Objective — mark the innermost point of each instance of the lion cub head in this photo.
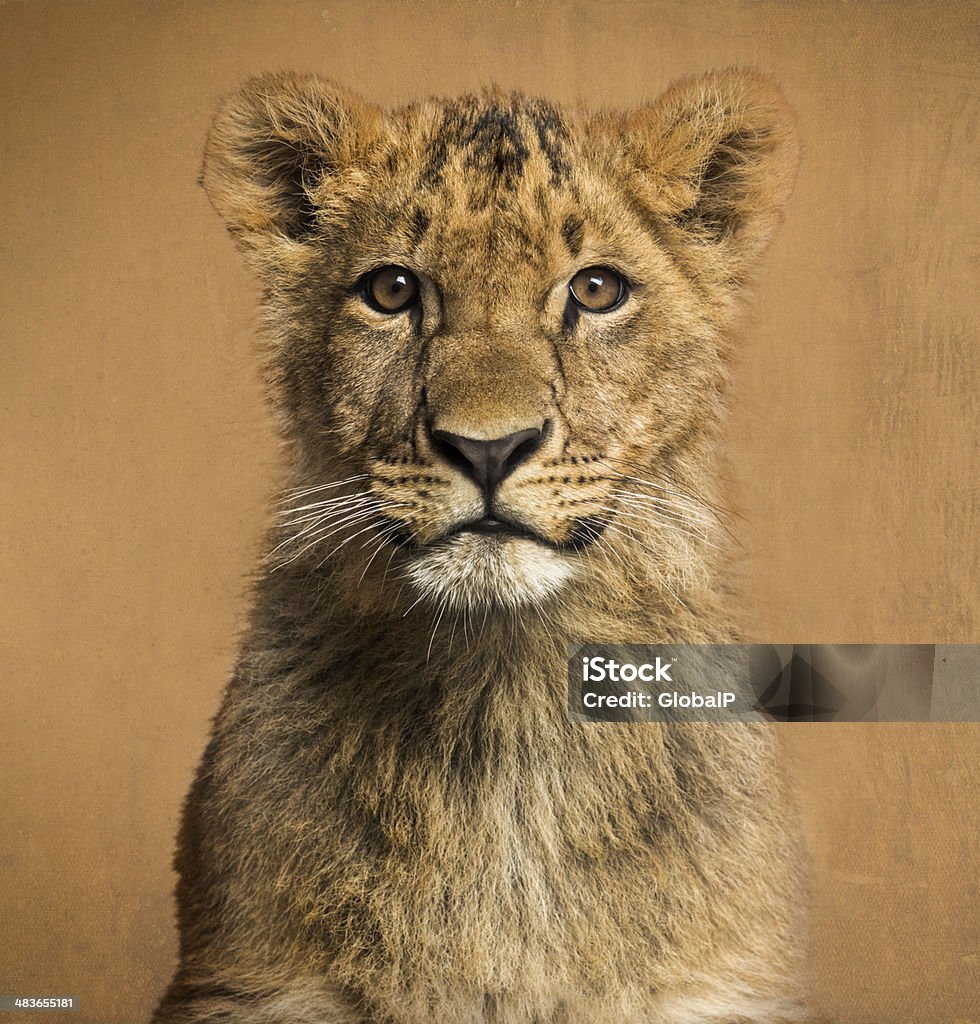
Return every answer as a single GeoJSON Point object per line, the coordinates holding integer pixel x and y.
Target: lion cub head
{"type": "Point", "coordinates": [499, 329]}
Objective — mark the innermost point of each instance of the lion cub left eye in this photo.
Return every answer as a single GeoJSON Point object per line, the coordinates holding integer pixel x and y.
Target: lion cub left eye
{"type": "Point", "coordinates": [391, 289]}
{"type": "Point", "coordinates": [597, 289]}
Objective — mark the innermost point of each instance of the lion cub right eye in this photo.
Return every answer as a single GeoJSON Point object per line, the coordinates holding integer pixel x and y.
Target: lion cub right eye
{"type": "Point", "coordinates": [391, 289]}
{"type": "Point", "coordinates": [597, 289]}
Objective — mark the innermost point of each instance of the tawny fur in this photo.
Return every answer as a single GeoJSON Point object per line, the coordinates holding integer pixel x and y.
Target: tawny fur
{"type": "Point", "coordinates": [394, 820]}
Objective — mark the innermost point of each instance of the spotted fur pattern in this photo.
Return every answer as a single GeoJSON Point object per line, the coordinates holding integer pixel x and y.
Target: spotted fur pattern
{"type": "Point", "coordinates": [394, 821]}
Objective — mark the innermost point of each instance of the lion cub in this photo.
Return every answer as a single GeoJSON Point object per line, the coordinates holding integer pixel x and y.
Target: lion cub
{"type": "Point", "coordinates": [498, 338]}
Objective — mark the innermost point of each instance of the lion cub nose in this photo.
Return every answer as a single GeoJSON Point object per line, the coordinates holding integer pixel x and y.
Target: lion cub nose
{"type": "Point", "coordinates": [487, 462]}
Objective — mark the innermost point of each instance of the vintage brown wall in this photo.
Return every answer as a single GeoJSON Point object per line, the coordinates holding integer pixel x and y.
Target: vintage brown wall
{"type": "Point", "coordinates": [138, 458]}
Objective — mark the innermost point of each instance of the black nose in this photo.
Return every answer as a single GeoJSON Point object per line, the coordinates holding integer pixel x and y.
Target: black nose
{"type": "Point", "coordinates": [487, 462]}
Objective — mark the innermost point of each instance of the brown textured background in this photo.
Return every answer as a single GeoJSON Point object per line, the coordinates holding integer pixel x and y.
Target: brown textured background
{"type": "Point", "coordinates": [137, 456]}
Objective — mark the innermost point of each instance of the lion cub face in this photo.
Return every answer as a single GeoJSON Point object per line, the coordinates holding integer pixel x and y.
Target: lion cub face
{"type": "Point", "coordinates": [500, 330]}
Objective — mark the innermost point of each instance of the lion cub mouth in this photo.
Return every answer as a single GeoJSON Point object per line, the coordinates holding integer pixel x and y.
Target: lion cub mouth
{"type": "Point", "coordinates": [491, 526]}
{"type": "Point", "coordinates": [583, 533]}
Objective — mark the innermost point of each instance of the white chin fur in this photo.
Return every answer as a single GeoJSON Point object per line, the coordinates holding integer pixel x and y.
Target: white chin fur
{"type": "Point", "coordinates": [474, 571]}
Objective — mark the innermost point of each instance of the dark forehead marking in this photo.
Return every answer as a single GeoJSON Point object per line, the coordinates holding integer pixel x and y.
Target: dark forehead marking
{"type": "Point", "coordinates": [496, 145]}
{"type": "Point", "coordinates": [552, 138]}
{"type": "Point", "coordinates": [418, 226]}
{"type": "Point", "coordinates": [572, 232]}
{"type": "Point", "coordinates": [498, 137]}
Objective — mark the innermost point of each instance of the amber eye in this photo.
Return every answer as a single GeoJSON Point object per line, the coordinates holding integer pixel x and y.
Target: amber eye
{"type": "Point", "coordinates": [391, 289]}
{"type": "Point", "coordinates": [597, 289]}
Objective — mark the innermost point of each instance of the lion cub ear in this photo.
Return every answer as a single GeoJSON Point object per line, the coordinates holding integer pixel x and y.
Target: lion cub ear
{"type": "Point", "coordinates": [716, 158]}
{"type": "Point", "coordinates": [272, 145]}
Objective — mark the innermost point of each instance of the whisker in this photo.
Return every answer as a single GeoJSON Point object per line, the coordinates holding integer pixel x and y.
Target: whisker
{"type": "Point", "coordinates": [322, 518]}
{"type": "Point", "coordinates": [384, 535]}
{"type": "Point", "coordinates": [384, 577]}
{"type": "Point", "coordinates": [325, 523]}
{"type": "Point", "coordinates": [334, 526]}
{"type": "Point", "coordinates": [720, 510]}
{"type": "Point", "coordinates": [666, 498]}
{"type": "Point", "coordinates": [659, 508]}
{"type": "Point", "coordinates": [435, 628]}
{"type": "Point", "coordinates": [452, 632]}
{"type": "Point", "coordinates": [466, 619]}
{"type": "Point", "coordinates": [420, 598]}
{"type": "Point", "coordinates": [675, 498]}
{"type": "Point", "coordinates": [302, 492]}
{"type": "Point", "coordinates": [313, 539]}
{"type": "Point", "coordinates": [483, 625]}
{"type": "Point", "coordinates": [663, 485]}
{"type": "Point", "coordinates": [343, 499]}
{"type": "Point", "coordinates": [344, 543]}
{"type": "Point", "coordinates": [658, 522]}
